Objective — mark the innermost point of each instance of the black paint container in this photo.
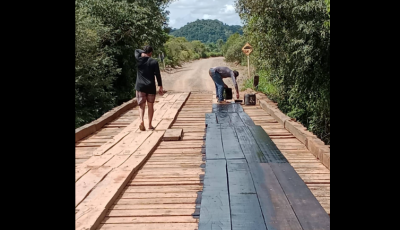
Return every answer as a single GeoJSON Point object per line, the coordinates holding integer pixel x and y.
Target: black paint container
{"type": "Point", "coordinates": [249, 99]}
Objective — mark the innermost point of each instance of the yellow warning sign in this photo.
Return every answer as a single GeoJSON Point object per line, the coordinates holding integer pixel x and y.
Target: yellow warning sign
{"type": "Point", "coordinates": [247, 49]}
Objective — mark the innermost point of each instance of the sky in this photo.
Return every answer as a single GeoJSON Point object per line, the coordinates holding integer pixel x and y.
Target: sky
{"type": "Point", "coordinates": [184, 11]}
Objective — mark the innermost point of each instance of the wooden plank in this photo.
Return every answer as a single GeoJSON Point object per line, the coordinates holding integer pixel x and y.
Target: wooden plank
{"type": "Point", "coordinates": [175, 200]}
{"type": "Point", "coordinates": [189, 194]}
{"type": "Point", "coordinates": [173, 135]}
{"type": "Point", "coordinates": [308, 210]}
{"type": "Point", "coordinates": [267, 146]}
{"type": "Point", "coordinates": [147, 226]}
{"type": "Point", "coordinates": [246, 119]}
{"type": "Point", "coordinates": [276, 209]}
{"type": "Point", "coordinates": [88, 182]}
{"type": "Point", "coordinates": [249, 145]}
{"type": "Point", "coordinates": [231, 144]}
{"type": "Point", "coordinates": [215, 211]}
{"type": "Point", "coordinates": [154, 206]}
{"type": "Point", "coordinates": [158, 219]}
{"type": "Point", "coordinates": [94, 209]}
{"type": "Point", "coordinates": [148, 213]}
{"type": "Point", "coordinates": [214, 149]}
{"type": "Point", "coordinates": [211, 119]}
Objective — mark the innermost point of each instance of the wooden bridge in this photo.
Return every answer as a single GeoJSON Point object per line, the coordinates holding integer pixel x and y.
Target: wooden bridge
{"type": "Point", "coordinates": [234, 168]}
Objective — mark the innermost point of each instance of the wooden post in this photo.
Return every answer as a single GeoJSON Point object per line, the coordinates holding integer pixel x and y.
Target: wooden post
{"type": "Point", "coordinates": [248, 66]}
{"type": "Point", "coordinates": [163, 60]}
{"type": "Point", "coordinates": [255, 82]}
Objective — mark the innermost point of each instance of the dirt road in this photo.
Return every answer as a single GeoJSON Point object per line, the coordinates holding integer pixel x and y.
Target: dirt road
{"type": "Point", "coordinates": [194, 76]}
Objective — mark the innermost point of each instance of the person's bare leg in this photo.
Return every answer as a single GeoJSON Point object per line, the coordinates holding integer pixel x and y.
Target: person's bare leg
{"type": "Point", "coordinates": [142, 107]}
{"type": "Point", "coordinates": [150, 113]}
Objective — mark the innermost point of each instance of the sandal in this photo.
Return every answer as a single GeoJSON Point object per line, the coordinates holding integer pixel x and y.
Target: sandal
{"type": "Point", "coordinates": [142, 128]}
{"type": "Point", "coordinates": [151, 128]}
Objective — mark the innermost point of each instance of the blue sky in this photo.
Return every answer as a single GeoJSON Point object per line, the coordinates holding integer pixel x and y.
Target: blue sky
{"type": "Point", "coordinates": [184, 11]}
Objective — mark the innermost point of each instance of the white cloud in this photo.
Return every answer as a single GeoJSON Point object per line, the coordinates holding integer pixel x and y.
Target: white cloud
{"type": "Point", "coordinates": [229, 9]}
{"type": "Point", "coordinates": [185, 11]}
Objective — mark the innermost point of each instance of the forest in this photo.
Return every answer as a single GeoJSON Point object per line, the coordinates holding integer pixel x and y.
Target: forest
{"type": "Point", "coordinates": [291, 56]}
{"type": "Point", "coordinates": [206, 31]}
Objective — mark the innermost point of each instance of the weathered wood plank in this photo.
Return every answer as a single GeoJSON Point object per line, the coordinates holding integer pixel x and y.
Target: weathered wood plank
{"type": "Point", "coordinates": [146, 226]}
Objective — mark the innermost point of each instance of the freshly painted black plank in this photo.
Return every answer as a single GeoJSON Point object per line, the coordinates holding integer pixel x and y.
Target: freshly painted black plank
{"type": "Point", "coordinates": [214, 108]}
{"type": "Point", "coordinates": [223, 118]}
{"type": "Point", "coordinates": [232, 108]}
{"type": "Point", "coordinates": [239, 177]}
{"type": "Point", "coordinates": [271, 152]}
{"type": "Point", "coordinates": [249, 145]}
{"type": "Point", "coordinates": [211, 119]}
{"type": "Point", "coordinates": [277, 211]}
{"type": "Point", "coordinates": [231, 144]}
{"type": "Point", "coordinates": [220, 108]}
{"type": "Point", "coordinates": [246, 119]}
{"type": "Point", "coordinates": [245, 209]}
{"type": "Point", "coordinates": [239, 107]}
{"type": "Point", "coordinates": [235, 119]}
{"type": "Point", "coordinates": [215, 209]}
{"type": "Point", "coordinates": [308, 210]}
{"type": "Point", "coordinates": [214, 148]}
{"type": "Point", "coordinates": [246, 213]}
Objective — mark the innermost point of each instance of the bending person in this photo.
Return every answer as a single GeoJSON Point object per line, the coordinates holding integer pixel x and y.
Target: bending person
{"type": "Point", "coordinates": [217, 73]}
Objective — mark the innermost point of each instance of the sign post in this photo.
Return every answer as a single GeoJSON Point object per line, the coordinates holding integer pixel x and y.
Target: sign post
{"type": "Point", "coordinates": [162, 58]}
{"type": "Point", "coordinates": [247, 50]}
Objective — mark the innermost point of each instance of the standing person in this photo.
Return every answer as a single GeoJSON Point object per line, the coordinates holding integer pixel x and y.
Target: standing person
{"type": "Point", "coordinates": [217, 73]}
{"type": "Point", "coordinates": [147, 68]}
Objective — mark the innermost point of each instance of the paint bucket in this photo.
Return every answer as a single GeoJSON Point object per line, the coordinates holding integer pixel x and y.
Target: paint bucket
{"type": "Point", "coordinates": [228, 93]}
{"type": "Point", "coordinates": [249, 99]}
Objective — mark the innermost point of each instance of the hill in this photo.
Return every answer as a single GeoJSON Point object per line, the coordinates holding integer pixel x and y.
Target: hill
{"type": "Point", "coordinates": [206, 30]}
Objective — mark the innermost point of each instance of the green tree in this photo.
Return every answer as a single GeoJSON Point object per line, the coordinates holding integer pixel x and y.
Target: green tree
{"type": "Point", "coordinates": [292, 47]}
{"type": "Point", "coordinates": [106, 34]}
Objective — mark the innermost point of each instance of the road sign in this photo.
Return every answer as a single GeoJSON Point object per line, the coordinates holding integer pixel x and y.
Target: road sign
{"type": "Point", "coordinates": [247, 49]}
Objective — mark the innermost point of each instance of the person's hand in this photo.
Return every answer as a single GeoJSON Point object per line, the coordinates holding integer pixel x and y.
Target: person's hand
{"type": "Point", "coordinates": [161, 90]}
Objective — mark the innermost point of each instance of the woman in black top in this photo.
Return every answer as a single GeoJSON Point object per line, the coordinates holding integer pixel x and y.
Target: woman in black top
{"type": "Point", "coordinates": [147, 68]}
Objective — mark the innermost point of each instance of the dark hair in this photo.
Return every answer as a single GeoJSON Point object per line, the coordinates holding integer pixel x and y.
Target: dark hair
{"type": "Point", "coordinates": [236, 73]}
{"type": "Point", "coordinates": [148, 49]}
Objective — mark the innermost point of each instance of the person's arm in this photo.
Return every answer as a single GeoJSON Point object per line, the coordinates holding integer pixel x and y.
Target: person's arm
{"type": "Point", "coordinates": [138, 53]}
{"type": "Point", "coordinates": [158, 76]}
{"type": "Point", "coordinates": [235, 84]}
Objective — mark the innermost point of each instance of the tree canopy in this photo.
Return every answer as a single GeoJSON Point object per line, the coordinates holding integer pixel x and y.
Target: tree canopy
{"type": "Point", "coordinates": [206, 31]}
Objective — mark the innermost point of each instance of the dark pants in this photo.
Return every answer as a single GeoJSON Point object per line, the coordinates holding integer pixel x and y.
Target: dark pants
{"type": "Point", "coordinates": [219, 84]}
